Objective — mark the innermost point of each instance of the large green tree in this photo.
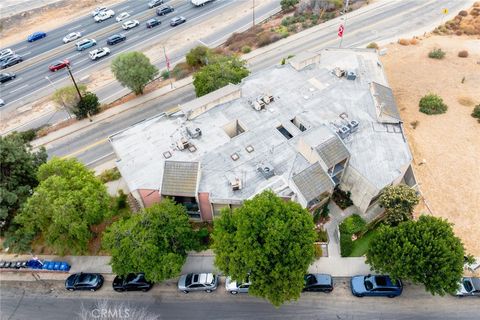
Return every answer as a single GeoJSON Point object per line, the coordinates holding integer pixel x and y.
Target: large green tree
{"type": "Point", "coordinates": [424, 251]}
{"type": "Point", "coordinates": [67, 97]}
{"type": "Point", "coordinates": [67, 202]}
{"type": "Point", "coordinates": [154, 241]}
{"type": "Point", "coordinates": [268, 240]}
{"type": "Point", "coordinates": [133, 70]}
{"type": "Point", "coordinates": [399, 202]}
{"type": "Point", "coordinates": [218, 73]}
{"type": "Point", "coordinates": [18, 174]}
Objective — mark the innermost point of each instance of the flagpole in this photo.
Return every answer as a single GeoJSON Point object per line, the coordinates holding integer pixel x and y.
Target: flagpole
{"type": "Point", "coordinates": [168, 66]}
{"type": "Point", "coordinates": [345, 24]}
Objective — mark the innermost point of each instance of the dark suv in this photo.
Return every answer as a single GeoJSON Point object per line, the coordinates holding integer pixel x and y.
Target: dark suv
{"type": "Point", "coordinates": [318, 283]}
{"type": "Point", "coordinates": [116, 38]}
{"type": "Point", "coordinates": [164, 10]}
{"type": "Point", "coordinates": [153, 23]}
{"type": "Point", "coordinates": [4, 77]}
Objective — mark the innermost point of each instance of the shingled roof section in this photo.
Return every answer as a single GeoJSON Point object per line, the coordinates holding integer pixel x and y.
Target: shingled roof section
{"type": "Point", "coordinates": [332, 151]}
{"type": "Point", "coordinates": [313, 181]}
{"type": "Point", "coordinates": [387, 110]}
{"type": "Point", "coordinates": [180, 178]}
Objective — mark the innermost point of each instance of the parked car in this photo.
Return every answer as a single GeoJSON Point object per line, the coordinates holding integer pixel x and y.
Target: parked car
{"type": "Point", "coordinates": [375, 285]}
{"type": "Point", "coordinates": [469, 286]}
{"type": "Point", "coordinates": [59, 65]}
{"type": "Point", "coordinates": [36, 36]}
{"type": "Point", "coordinates": [2, 103]}
{"type": "Point", "coordinates": [6, 76]}
{"type": "Point", "coordinates": [72, 36]}
{"type": "Point", "coordinates": [153, 23]}
{"type": "Point", "coordinates": [84, 281]}
{"type": "Point", "coordinates": [235, 287]}
{"type": "Point", "coordinates": [177, 20]}
{"type": "Point", "coordinates": [116, 38]}
{"type": "Point", "coordinates": [155, 3]}
{"type": "Point", "coordinates": [122, 16]}
{"type": "Point", "coordinates": [85, 44]}
{"type": "Point", "coordinates": [132, 282]}
{"type": "Point", "coordinates": [318, 283]}
{"type": "Point", "coordinates": [98, 10]}
{"type": "Point", "coordinates": [104, 15]}
{"type": "Point", "coordinates": [10, 61]}
{"type": "Point", "coordinates": [130, 24]}
{"type": "Point", "coordinates": [198, 282]}
{"type": "Point", "coordinates": [5, 53]}
{"type": "Point", "coordinates": [99, 53]}
{"type": "Point", "coordinates": [164, 10]}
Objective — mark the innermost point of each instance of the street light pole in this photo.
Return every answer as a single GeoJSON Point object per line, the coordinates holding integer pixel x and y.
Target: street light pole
{"type": "Point", "coordinates": [78, 90]}
{"type": "Point", "coordinates": [63, 101]}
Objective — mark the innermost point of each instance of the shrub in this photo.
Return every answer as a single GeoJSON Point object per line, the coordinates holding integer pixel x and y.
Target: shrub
{"type": "Point", "coordinates": [463, 54]}
{"type": "Point", "coordinates": [476, 112]}
{"type": "Point", "coordinates": [436, 54]}
{"type": "Point", "coordinates": [165, 74]}
{"type": "Point", "coordinates": [283, 61]}
{"type": "Point", "coordinates": [413, 41]}
{"type": "Point", "coordinates": [292, 28]}
{"type": "Point", "coordinates": [414, 124]}
{"type": "Point", "coordinates": [198, 56]}
{"type": "Point", "coordinates": [246, 49]}
{"type": "Point", "coordinates": [459, 32]}
{"type": "Point", "coordinates": [264, 39]}
{"type": "Point", "coordinates": [110, 175]}
{"type": "Point", "coordinates": [342, 198]}
{"type": "Point", "coordinates": [432, 104]}
{"type": "Point", "coordinates": [346, 244]}
{"type": "Point", "coordinates": [27, 135]}
{"type": "Point", "coordinates": [202, 238]}
{"type": "Point", "coordinates": [181, 70]}
{"type": "Point", "coordinates": [353, 224]}
{"type": "Point", "coordinates": [288, 4]}
{"type": "Point", "coordinates": [404, 42]}
{"type": "Point", "coordinates": [322, 235]}
{"type": "Point", "coordinates": [372, 45]}
{"type": "Point", "coordinates": [318, 251]}
{"type": "Point", "coordinates": [121, 200]}
{"type": "Point", "coordinates": [463, 13]}
{"type": "Point", "coordinates": [88, 106]}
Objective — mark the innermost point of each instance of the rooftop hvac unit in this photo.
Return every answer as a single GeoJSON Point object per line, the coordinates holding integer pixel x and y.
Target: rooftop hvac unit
{"type": "Point", "coordinates": [351, 75]}
{"type": "Point", "coordinates": [236, 184]}
{"type": "Point", "coordinates": [339, 72]}
{"type": "Point", "coordinates": [343, 131]}
{"type": "Point", "coordinates": [266, 170]}
{"type": "Point", "coordinates": [353, 125]}
{"type": "Point", "coordinates": [267, 99]}
{"type": "Point", "coordinates": [194, 133]}
{"type": "Point", "coordinates": [182, 143]}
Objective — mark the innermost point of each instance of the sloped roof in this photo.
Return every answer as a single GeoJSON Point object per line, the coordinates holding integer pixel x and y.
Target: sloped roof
{"type": "Point", "coordinates": [387, 110]}
{"type": "Point", "coordinates": [313, 181]}
{"type": "Point", "coordinates": [332, 151]}
{"type": "Point", "coordinates": [180, 178]}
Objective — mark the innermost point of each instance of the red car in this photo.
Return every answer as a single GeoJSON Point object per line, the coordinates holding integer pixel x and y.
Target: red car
{"type": "Point", "coordinates": [59, 65]}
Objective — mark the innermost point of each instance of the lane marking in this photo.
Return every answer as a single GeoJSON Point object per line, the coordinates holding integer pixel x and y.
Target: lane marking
{"type": "Point", "coordinates": [24, 86]}
{"type": "Point", "coordinates": [124, 89]}
{"type": "Point", "coordinates": [83, 149]}
{"type": "Point", "coordinates": [76, 54]}
{"type": "Point", "coordinates": [123, 8]}
{"type": "Point", "coordinates": [72, 28]}
{"type": "Point", "coordinates": [134, 37]}
{"type": "Point", "coordinates": [202, 43]}
{"type": "Point", "coordinates": [101, 158]}
{"type": "Point", "coordinates": [21, 48]}
{"type": "Point", "coordinates": [26, 53]}
{"type": "Point", "coordinates": [82, 60]}
{"type": "Point", "coordinates": [12, 81]}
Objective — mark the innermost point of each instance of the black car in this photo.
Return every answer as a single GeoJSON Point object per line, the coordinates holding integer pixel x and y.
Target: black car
{"type": "Point", "coordinates": [177, 20]}
{"type": "Point", "coordinates": [4, 77]}
{"type": "Point", "coordinates": [84, 281]}
{"type": "Point", "coordinates": [11, 61]}
{"type": "Point", "coordinates": [132, 282]}
{"type": "Point", "coordinates": [116, 38]}
{"type": "Point", "coordinates": [318, 283]}
{"type": "Point", "coordinates": [153, 23]}
{"type": "Point", "coordinates": [164, 10]}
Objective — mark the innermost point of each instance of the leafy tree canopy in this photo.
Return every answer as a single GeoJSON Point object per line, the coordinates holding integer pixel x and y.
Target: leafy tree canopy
{"type": "Point", "coordinates": [424, 251]}
{"type": "Point", "coordinates": [154, 242]}
{"type": "Point", "coordinates": [89, 105]}
{"type": "Point", "coordinates": [67, 202]}
{"type": "Point", "coordinates": [198, 56]}
{"type": "Point", "coordinates": [133, 70]}
{"type": "Point", "coordinates": [269, 241]}
{"type": "Point", "coordinates": [288, 4]}
{"type": "Point", "coordinates": [68, 96]}
{"type": "Point", "coordinates": [399, 202]}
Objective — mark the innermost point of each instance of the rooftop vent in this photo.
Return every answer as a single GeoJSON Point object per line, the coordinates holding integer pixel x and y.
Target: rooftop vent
{"type": "Point", "coordinates": [167, 154]}
{"type": "Point", "coordinates": [351, 75]}
{"type": "Point", "coordinates": [339, 72]}
{"type": "Point", "coordinates": [235, 156]}
{"type": "Point", "coordinates": [266, 169]}
{"type": "Point", "coordinates": [249, 148]}
{"type": "Point", "coordinates": [182, 143]}
{"type": "Point", "coordinates": [236, 184]}
{"type": "Point", "coordinates": [343, 131]}
{"type": "Point", "coordinates": [194, 133]}
{"type": "Point", "coordinates": [192, 148]}
{"type": "Point", "coordinates": [267, 99]}
{"type": "Point", "coordinates": [353, 125]}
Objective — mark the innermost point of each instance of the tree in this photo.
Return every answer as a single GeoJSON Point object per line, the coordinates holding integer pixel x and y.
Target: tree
{"type": "Point", "coordinates": [18, 172]}
{"type": "Point", "coordinates": [133, 70]}
{"type": "Point", "coordinates": [198, 56]}
{"type": "Point", "coordinates": [67, 202]}
{"type": "Point", "coordinates": [288, 4]}
{"type": "Point", "coordinates": [154, 242]}
{"type": "Point", "coordinates": [68, 96]}
{"type": "Point", "coordinates": [222, 71]}
{"type": "Point", "coordinates": [88, 106]}
{"type": "Point", "coordinates": [268, 240]}
{"type": "Point", "coordinates": [424, 251]}
{"type": "Point", "coordinates": [399, 202]}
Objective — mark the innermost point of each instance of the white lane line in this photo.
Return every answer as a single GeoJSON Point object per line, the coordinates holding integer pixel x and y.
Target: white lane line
{"type": "Point", "coordinates": [72, 28]}
{"type": "Point", "coordinates": [81, 60]}
{"type": "Point", "coordinates": [202, 43]}
{"type": "Point", "coordinates": [101, 158]}
{"type": "Point", "coordinates": [106, 98]}
{"type": "Point", "coordinates": [21, 48]}
{"type": "Point", "coordinates": [134, 37]}
{"type": "Point", "coordinates": [24, 86]}
{"type": "Point", "coordinates": [26, 53]}
{"type": "Point", "coordinates": [123, 8]}
{"type": "Point", "coordinates": [76, 54]}
{"type": "Point", "coordinates": [13, 81]}
{"type": "Point", "coordinates": [82, 31]}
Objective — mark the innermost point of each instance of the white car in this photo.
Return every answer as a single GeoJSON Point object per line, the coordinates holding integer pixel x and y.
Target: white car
{"type": "Point", "coordinates": [104, 15]}
{"type": "Point", "coordinates": [98, 53]}
{"type": "Point", "coordinates": [98, 10]}
{"type": "Point", "coordinates": [130, 24]}
{"type": "Point", "coordinates": [6, 53]}
{"type": "Point", "coordinates": [122, 16]}
{"type": "Point", "coordinates": [72, 36]}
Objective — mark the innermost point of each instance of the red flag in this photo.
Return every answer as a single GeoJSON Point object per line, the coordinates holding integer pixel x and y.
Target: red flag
{"type": "Point", "coordinates": [340, 30]}
{"type": "Point", "coordinates": [167, 62]}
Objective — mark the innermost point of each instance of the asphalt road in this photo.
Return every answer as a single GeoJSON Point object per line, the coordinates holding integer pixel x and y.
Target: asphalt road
{"type": "Point", "coordinates": [50, 301]}
{"type": "Point", "coordinates": [390, 21]}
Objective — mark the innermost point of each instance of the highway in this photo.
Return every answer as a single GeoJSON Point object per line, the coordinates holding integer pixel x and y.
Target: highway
{"type": "Point", "coordinates": [389, 20]}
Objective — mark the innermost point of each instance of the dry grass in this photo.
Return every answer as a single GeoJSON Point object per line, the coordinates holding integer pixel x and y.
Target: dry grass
{"type": "Point", "coordinates": [404, 42]}
{"type": "Point", "coordinates": [466, 101]}
{"type": "Point", "coordinates": [463, 54]}
{"type": "Point", "coordinates": [466, 22]}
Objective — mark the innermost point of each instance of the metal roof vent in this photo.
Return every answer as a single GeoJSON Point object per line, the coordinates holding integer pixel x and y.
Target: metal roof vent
{"type": "Point", "coordinates": [266, 170]}
{"type": "Point", "coordinates": [167, 154]}
{"type": "Point", "coordinates": [235, 156]}
{"type": "Point", "coordinates": [249, 148]}
{"type": "Point", "coordinates": [353, 125]}
{"type": "Point", "coordinates": [192, 148]}
{"type": "Point", "coordinates": [343, 131]}
{"type": "Point", "coordinates": [194, 133]}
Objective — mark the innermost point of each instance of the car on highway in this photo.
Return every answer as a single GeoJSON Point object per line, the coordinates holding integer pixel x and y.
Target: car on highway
{"type": "Point", "coordinates": [235, 287]}
{"type": "Point", "coordinates": [177, 20]}
{"type": "Point", "coordinates": [85, 44]}
{"type": "Point", "coordinates": [132, 282]}
{"type": "Point", "coordinates": [59, 65]}
{"type": "Point", "coordinates": [122, 16]}
{"type": "Point", "coordinates": [198, 282]}
{"type": "Point", "coordinates": [318, 282]}
{"type": "Point", "coordinates": [375, 285]}
{"type": "Point", "coordinates": [130, 24]}
{"type": "Point", "coordinates": [104, 15]}
{"type": "Point", "coordinates": [10, 61]}
{"type": "Point", "coordinates": [164, 10]}
{"type": "Point", "coordinates": [36, 36]}
{"type": "Point", "coordinates": [98, 10]}
{"type": "Point", "coordinates": [5, 53]}
{"type": "Point", "coordinates": [153, 23]}
{"type": "Point", "coordinates": [72, 36]}
{"type": "Point", "coordinates": [2, 103]}
{"type": "Point", "coordinates": [155, 3]}
{"type": "Point", "coordinates": [6, 76]}
{"type": "Point", "coordinates": [469, 286]}
{"type": "Point", "coordinates": [99, 53]}
{"type": "Point", "coordinates": [84, 281]}
{"type": "Point", "coordinates": [116, 38]}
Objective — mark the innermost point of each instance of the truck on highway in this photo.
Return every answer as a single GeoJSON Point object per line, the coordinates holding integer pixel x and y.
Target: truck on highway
{"type": "Point", "coordinates": [199, 3]}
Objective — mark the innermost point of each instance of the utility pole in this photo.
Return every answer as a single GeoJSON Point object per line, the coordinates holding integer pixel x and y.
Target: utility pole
{"type": "Point", "coordinates": [167, 62]}
{"type": "Point", "coordinates": [78, 90]}
{"type": "Point", "coordinates": [63, 101]}
{"type": "Point", "coordinates": [345, 24]}
{"type": "Point", "coordinates": [253, 14]}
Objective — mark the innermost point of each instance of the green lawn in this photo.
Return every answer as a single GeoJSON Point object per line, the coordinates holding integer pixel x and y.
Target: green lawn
{"type": "Point", "coordinates": [360, 245]}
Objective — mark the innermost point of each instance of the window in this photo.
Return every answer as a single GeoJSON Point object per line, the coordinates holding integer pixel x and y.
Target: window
{"type": "Point", "coordinates": [298, 124]}
{"type": "Point", "coordinates": [234, 128]}
{"type": "Point", "coordinates": [285, 133]}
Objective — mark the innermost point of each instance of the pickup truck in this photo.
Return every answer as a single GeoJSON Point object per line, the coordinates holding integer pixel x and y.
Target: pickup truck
{"type": "Point", "coordinates": [104, 15]}
{"type": "Point", "coordinates": [198, 3]}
